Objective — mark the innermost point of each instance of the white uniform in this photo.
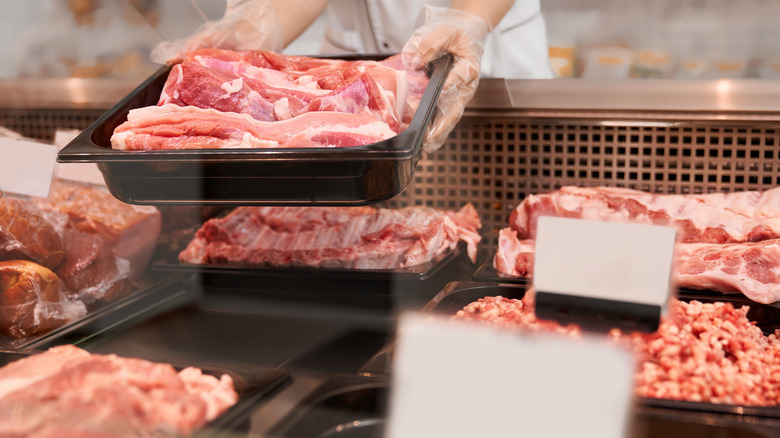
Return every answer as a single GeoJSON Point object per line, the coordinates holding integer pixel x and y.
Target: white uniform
{"type": "Point", "coordinates": [384, 26]}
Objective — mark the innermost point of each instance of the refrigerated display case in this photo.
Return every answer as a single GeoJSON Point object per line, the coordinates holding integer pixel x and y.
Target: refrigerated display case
{"type": "Point", "coordinates": [316, 346]}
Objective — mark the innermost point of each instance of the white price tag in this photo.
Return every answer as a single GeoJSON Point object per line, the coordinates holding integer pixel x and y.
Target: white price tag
{"type": "Point", "coordinates": [78, 172]}
{"type": "Point", "coordinates": [26, 167]}
{"type": "Point", "coordinates": [604, 260]}
{"type": "Point", "coordinates": [470, 380]}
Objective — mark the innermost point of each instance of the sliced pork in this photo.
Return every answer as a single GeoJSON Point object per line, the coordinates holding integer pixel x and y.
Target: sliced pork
{"type": "Point", "coordinates": [175, 127]}
{"type": "Point", "coordinates": [67, 391]}
{"type": "Point", "coordinates": [750, 268]}
{"type": "Point", "coordinates": [253, 99]}
{"type": "Point", "coordinates": [707, 218]}
{"type": "Point", "coordinates": [335, 237]}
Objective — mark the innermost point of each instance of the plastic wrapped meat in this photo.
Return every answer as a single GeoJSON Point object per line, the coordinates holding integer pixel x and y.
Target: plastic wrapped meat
{"type": "Point", "coordinates": [32, 300]}
{"type": "Point", "coordinates": [90, 272]}
{"type": "Point", "coordinates": [132, 230]}
{"type": "Point", "coordinates": [28, 232]}
{"type": "Point", "coordinates": [67, 391]}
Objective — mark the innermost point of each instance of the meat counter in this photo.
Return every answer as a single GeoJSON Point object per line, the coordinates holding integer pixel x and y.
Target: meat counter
{"type": "Point", "coordinates": [327, 338]}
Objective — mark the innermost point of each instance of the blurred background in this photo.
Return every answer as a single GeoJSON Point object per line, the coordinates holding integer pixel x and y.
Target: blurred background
{"type": "Point", "coordinates": [594, 39]}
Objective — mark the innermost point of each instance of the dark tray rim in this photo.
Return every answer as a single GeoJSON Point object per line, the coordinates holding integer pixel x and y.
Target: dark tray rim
{"type": "Point", "coordinates": [84, 149]}
{"type": "Point", "coordinates": [421, 272]}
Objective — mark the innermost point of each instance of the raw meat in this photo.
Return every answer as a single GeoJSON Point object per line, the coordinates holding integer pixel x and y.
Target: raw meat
{"type": "Point", "coordinates": [752, 268]}
{"type": "Point", "coordinates": [132, 230]}
{"type": "Point", "coordinates": [335, 237]}
{"type": "Point", "coordinates": [268, 95]}
{"type": "Point", "coordinates": [28, 232]}
{"type": "Point", "coordinates": [708, 218]}
{"type": "Point", "coordinates": [701, 352]}
{"type": "Point", "coordinates": [66, 391]}
{"type": "Point", "coordinates": [174, 127]}
{"type": "Point", "coordinates": [32, 300]}
{"type": "Point", "coordinates": [91, 272]}
{"type": "Point", "coordinates": [252, 99]}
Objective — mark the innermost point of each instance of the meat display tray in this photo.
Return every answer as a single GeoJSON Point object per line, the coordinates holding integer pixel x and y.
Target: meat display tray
{"type": "Point", "coordinates": [163, 294]}
{"type": "Point", "coordinates": [381, 291]}
{"type": "Point", "coordinates": [343, 406]}
{"type": "Point", "coordinates": [253, 386]}
{"type": "Point", "coordinates": [356, 406]}
{"type": "Point", "coordinates": [358, 175]}
{"type": "Point", "coordinates": [457, 295]}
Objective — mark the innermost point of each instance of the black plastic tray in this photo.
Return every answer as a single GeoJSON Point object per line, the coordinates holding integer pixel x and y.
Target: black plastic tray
{"type": "Point", "coordinates": [252, 386]}
{"type": "Point", "coordinates": [457, 295]}
{"type": "Point", "coordinates": [302, 176]}
{"type": "Point", "coordinates": [343, 406]}
{"type": "Point", "coordinates": [162, 294]}
{"type": "Point", "coordinates": [351, 407]}
{"type": "Point", "coordinates": [383, 291]}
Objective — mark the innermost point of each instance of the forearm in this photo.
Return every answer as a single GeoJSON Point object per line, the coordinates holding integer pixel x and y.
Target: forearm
{"type": "Point", "coordinates": [492, 11]}
{"type": "Point", "coordinates": [295, 16]}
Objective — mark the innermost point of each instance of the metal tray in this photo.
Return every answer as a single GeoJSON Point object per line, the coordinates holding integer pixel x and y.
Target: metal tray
{"type": "Point", "coordinates": [164, 293]}
{"type": "Point", "coordinates": [383, 291]}
{"type": "Point", "coordinates": [458, 294]}
{"type": "Point", "coordinates": [302, 176]}
{"type": "Point", "coordinates": [252, 386]}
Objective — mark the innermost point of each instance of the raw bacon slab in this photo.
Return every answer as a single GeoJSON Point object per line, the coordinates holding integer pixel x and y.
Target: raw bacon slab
{"type": "Point", "coordinates": [357, 238]}
{"type": "Point", "coordinates": [707, 218]}
{"type": "Point", "coordinates": [67, 391]}
{"type": "Point", "coordinates": [173, 127]}
{"type": "Point", "coordinates": [752, 268]}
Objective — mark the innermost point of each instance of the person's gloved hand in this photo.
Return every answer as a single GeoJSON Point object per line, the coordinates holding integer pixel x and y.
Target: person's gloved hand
{"type": "Point", "coordinates": [246, 25]}
{"type": "Point", "coordinates": [463, 35]}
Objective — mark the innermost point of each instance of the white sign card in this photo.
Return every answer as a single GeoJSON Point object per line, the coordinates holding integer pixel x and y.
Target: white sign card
{"type": "Point", "coordinates": [605, 260]}
{"type": "Point", "coordinates": [470, 380]}
{"type": "Point", "coordinates": [26, 167]}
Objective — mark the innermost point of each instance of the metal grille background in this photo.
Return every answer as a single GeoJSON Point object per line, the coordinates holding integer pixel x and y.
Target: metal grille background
{"type": "Point", "coordinates": [494, 163]}
{"type": "Point", "coordinates": [41, 124]}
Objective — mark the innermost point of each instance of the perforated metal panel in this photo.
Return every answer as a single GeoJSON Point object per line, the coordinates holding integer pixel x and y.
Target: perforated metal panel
{"type": "Point", "coordinates": [41, 124]}
{"type": "Point", "coordinates": [494, 163]}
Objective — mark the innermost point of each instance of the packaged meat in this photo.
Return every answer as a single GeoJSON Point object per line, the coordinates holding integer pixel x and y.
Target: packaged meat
{"type": "Point", "coordinates": [131, 230]}
{"type": "Point", "coordinates": [66, 391]}
{"type": "Point", "coordinates": [32, 300]}
{"type": "Point", "coordinates": [90, 271]}
{"type": "Point", "coordinates": [253, 99]}
{"type": "Point", "coordinates": [332, 237]}
{"type": "Point", "coordinates": [29, 232]}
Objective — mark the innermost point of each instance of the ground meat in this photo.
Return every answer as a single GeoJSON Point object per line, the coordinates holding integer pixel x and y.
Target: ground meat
{"type": "Point", "coordinates": [705, 352]}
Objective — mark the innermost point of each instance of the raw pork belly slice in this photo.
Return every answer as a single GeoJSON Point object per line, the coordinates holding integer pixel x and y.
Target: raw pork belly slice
{"type": "Point", "coordinates": [67, 391]}
{"type": "Point", "coordinates": [252, 99]}
{"type": "Point", "coordinates": [752, 268]}
{"type": "Point", "coordinates": [174, 127]}
{"type": "Point", "coordinates": [707, 218]}
{"type": "Point", "coordinates": [206, 80]}
{"type": "Point", "coordinates": [334, 237]}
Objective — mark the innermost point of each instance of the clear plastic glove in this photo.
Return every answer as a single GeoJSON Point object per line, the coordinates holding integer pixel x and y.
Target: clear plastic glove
{"type": "Point", "coordinates": [463, 35]}
{"type": "Point", "coordinates": [246, 25]}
